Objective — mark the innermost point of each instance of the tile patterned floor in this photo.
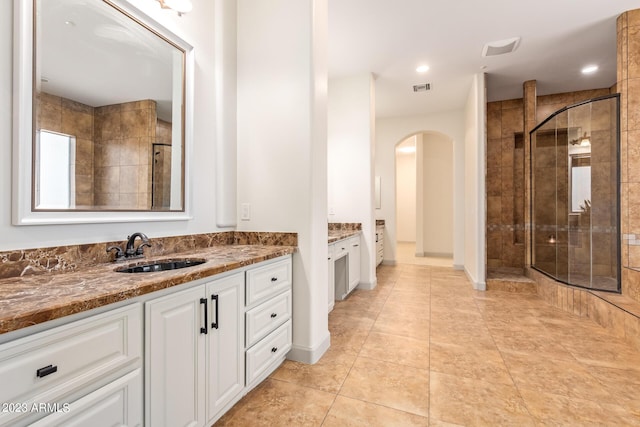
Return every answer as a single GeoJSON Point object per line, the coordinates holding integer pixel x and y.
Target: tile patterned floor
{"type": "Point", "coordinates": [424, 348]}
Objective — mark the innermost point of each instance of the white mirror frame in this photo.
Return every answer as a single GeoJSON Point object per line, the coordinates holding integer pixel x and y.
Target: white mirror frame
{"type": "Point", "coordinates": [22, 213]}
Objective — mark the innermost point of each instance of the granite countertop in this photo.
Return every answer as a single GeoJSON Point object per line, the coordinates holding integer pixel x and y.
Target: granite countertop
{"type": "Point", "coordinates": [35, 299]}
{"type": "Point", "coordinates": [335, 235]}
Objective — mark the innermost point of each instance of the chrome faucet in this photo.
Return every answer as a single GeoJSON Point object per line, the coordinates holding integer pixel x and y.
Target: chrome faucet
{"type": "Point", "coordinates": [131, 251]}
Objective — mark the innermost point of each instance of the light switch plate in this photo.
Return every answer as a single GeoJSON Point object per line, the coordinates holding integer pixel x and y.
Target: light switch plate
{"type": "Point", "coordinates": [245, 212]}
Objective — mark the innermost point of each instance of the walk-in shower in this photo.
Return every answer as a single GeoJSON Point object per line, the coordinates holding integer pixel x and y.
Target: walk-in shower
{"type": "Point", "coordinates": [575, 200]}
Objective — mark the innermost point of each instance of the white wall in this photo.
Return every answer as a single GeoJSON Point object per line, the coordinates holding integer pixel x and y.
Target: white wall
{"type": "Point", "coordinates": [406, 194]}
{"type": "Point", "coordinates": [437, 194]}
{"type": "Point", "coordinates": [350, 147]}
{"type": "Point", "coordinates": [209, 114]}
{"type": "Point", "coordinates": [282, 150]}
{"type": "Point", "coordinates": [474, 184]}
{"type": "Point", "coordinates": [389, 132]}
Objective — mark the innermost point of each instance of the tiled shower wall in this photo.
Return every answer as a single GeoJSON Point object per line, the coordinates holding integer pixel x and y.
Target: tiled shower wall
{"type": "Point", "coordinates": [124, 134]}
{"type": "Point", "coordinates": [113, 148]}
{"type": "Point", "coordinates": [505, 179]}
{"type": "Point", "coordinates": [628, 67]}
{"type": "Point", "coordinates": [69, 117]}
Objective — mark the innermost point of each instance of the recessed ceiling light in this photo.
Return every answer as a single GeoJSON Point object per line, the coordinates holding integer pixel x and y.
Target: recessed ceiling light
{"type": "Point", "coordinates": [589, 69]}
{"type": "Point", "coordinates": [422, 69]}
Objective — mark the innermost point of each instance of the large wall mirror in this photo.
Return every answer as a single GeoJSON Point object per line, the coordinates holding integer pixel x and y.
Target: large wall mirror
{"type": "Point", "coordinates": [103, 114]}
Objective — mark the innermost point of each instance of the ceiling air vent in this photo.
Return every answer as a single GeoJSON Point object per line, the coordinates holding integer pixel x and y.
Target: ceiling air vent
{"type": "Point", "coordinates": [422, 88]}
{"type": "Point", "coordinates": [500, 47]}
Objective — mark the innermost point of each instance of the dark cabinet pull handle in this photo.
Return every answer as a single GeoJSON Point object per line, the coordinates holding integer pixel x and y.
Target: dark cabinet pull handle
{"type": "Point", "coordinates": [47, 370]}
{"type": "Point", "coordinates": [356, 245]}
{"type": "Point", "coordinates": [274, 279]}
{"type": "Point", "coordinates": [274, 315]}
{"type": "Point", "coordinates": [274, 349]}
{"type": "Point", "coordinates": [204, 330]}
{"type": "Point", "coordinates": [214, 325]}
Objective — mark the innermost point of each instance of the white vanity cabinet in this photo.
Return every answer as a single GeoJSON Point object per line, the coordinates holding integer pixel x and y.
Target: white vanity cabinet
{"type": "Point", "coordinates": [344, 268]}
{"type": "Point", "coordinates": [87, 372]}
{"type": "Point", "coordinates": [268, 307]}
{"type": "Point", "coordinates": [332, 277]}
{"type": "Point", "coordinates": [379, 245]}
{"type": "Point", "coordinates": [353, 246]}
{"type": "Point", "coordinates": [194, 361]}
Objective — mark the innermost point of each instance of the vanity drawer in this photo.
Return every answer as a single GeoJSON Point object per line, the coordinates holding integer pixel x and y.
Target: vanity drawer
{"type": "Point", "coordinates": [264, 355]}
{"type": "Point", "coordinates": [266, 317]}
{"type": "Point", "coordinates": [267, 281]}
{"type": "Point", "coordinates": [49, 365]}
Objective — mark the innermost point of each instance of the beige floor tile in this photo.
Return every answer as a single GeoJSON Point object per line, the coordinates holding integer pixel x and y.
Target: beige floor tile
{"type": "Point", "coordinates": [562, 377]}
{"type": "Point", "coordinates": [525, 341]}
{"type": "Point", "coordinates": [470, 402]}
{"type": "Point", "coordinates": [409, 326]}
{"type": "Point", "coordinates": [339, 317]}
{"type": "Point", "coordinates": [472, 336]}
{"type": "Point", "coordinates": [328, 374]}
{"type": "Point", "coordinates": [411, 299]}
{"type": "Point", "coordinates": [346, 337]}
{"type": "Point", "coordinates": [425, 345]}
{"type": "Point", "coordinates": [397, 349]}
{"type": "Point", "coordinates": [405, 310]}
{"type": "Point", "coordinates": [469, 361]}
{"type": "Point", "coordinates": [277, 403]}
{"type": "Point", "coordinates": [554, 410]}
{"type": "Point", "coordinates": [613, 353]}
{"type": "Point", "coordinates": [389, 384]}
{"type": "Point", "coordinates": [438, 423]}
{"type": "Point", "coordinates": [352, 412]}
{"type": "Point", "coordinates": [622, 384]}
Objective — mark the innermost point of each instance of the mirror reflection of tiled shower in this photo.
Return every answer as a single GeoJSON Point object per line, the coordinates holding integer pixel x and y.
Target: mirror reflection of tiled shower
{"type": "Point", "coordinates": [161, 187]}
{"type": "Point", "coordinates": [575, 200]}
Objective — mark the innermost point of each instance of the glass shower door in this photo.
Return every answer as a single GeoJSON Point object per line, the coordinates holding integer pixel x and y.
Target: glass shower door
{"type": "Point", "coordinates": [575, 203]}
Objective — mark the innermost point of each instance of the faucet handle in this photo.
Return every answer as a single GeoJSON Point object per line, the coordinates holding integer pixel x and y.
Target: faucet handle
{"type": "Point", "coordinates": [119, 253]}
{"type": "Point", "coordinates": [140, 249]}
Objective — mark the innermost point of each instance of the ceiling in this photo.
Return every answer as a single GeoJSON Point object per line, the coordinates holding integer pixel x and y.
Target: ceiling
{"type": "Point", "coordinates": [391, 38]}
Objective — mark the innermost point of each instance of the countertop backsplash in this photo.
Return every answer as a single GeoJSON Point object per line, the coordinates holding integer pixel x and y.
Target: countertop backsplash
{"type": "Point", "coordinates": [59, 259]}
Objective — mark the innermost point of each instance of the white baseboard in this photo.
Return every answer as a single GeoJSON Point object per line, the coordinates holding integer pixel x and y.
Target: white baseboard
{"type": "Point", "coordinates": [458, 267]}
{"type": "Point", "coordinates": [368, 286]}
{"type": "Point", "coordinates": [309, 355]}
{"type": "Point", "coordinates": [388, 262]}
{"type": "Point", "coordinates": [478, 286]}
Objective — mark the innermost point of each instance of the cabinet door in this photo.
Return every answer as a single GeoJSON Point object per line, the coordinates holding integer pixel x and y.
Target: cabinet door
{"type": "Point", "coordinates": [354, 262]}
{"type": "Point", "coordinates": [118, 403]}
{"type": "Point", "coordinates": [332, 279]}
{"type": "Point", "coordinates": [175, 359]}
{"type": "Point", "coordinates": [225, 368]}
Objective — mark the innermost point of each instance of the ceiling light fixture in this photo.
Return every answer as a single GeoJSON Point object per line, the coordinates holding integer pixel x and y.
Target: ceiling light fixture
{"type": "Point", "coordinates": [589, 69]}
{"type": "Point", "coordinates": [422, 69]}
{"type": "Point", "coordinates": [180, 6]}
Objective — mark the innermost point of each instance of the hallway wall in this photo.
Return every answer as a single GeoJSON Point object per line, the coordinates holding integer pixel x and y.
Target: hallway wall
{"type": "Point", "coordinates": [389, 131]}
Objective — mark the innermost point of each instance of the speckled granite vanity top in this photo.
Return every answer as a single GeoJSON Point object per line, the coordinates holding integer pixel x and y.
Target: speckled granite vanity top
{"type": "Point", "coordinates": [343, 230]}
{"type": "Point", "coordinates": [69, 289]}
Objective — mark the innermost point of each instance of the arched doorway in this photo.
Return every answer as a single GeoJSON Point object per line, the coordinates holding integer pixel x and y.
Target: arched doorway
{"type": "Point", "coordinates": [424, 199]}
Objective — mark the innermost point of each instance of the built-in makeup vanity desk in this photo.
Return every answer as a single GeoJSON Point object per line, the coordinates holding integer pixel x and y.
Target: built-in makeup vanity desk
{"type": "Point", "coordinates": [344, 260]}
{"type": "Point", "coordinates": [81, 342]}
